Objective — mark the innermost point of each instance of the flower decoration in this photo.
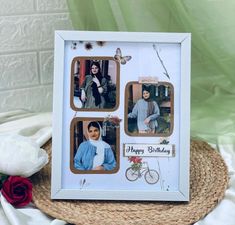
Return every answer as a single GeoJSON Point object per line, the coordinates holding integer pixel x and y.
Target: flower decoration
{"type": "Point", "coordinates": [74, 45]}
{"type": "Point", "coordinates": [17, 190]}
{"type": "Point", "coordinates": [88, 46]}
{"type": "Point", "coordinates": [164, 142]}
{"type": "Point", "coordinates": [135, 159]}
{"type": "Point", "coordinates": [136, 162]}
{"type": "Point", "coordinates": [112, 121]}
{"type": "Point", "coordinates": [100, 43]}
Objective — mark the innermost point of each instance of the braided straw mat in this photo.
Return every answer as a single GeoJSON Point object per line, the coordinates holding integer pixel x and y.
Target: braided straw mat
{"type": "Point", "coordinates": [208, 182]}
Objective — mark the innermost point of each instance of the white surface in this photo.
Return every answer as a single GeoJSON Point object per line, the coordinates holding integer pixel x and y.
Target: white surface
{"type": "Point", "coordinates": [175, 52]}
{"type": "Point", "coordinates": [223, 214]}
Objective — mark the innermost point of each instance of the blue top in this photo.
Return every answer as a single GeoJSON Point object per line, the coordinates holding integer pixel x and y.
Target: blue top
{"type": "Point", "coordinates": [86, 152]}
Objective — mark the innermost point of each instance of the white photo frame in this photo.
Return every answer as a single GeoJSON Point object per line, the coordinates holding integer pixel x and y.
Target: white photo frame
{"type": "Point", "coordinates": [134, 65]}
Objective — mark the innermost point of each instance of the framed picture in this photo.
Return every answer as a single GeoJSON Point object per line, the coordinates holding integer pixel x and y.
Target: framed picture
{"type": "Point", "coordinates": [121, 116]}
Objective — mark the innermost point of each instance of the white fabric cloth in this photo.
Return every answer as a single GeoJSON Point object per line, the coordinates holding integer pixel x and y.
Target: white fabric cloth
{"type": "Point", "coordinates": [38, 128]}
{"type": "Point", "coordinates": [24, 216]}
{"type": "Point", "coordinates": [20, 156]}
{"type": "Point", "coordinates": [35, 126]}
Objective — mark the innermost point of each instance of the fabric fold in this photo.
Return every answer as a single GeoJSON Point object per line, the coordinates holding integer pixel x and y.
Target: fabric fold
{"type": "Point", "coordinates": [25, 216]}
{"type": "Point", "coordinates": [36, 126]}
{"type": "Point", "coordinates": [29, 130]}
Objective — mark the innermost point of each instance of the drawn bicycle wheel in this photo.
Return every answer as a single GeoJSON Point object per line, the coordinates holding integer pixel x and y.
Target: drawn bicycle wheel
{"type": "Point", "coordinates": [131, 174]}
{"type": "Point", "coordinates": [151, 176]}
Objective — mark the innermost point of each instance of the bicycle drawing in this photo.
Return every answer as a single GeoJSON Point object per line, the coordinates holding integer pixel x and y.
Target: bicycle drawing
{"type": "Point", "coordinates": [139, 169]}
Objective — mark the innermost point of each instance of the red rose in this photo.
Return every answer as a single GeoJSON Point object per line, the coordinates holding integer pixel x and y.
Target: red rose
{"type": "Point", "coordinates": [17, 191]}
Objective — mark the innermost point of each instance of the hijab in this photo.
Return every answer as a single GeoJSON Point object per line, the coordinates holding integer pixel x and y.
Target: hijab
{"type": "Point", "coordinates": [99, 144]}
{"type": "Point", "coordinates": [150, 109]}
{"type": "Point", "coordinates": [95, 91]}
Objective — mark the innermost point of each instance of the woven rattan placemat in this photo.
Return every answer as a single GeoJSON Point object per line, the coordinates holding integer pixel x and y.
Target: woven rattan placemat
{"type": "Point", "coordinates": [209, 180]}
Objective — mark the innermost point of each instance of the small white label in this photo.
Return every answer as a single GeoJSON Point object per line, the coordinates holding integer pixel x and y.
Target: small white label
{"type": "Point", "coordinates": [150, 150]}
{"type": "Point", "coordinates": [152, 80]}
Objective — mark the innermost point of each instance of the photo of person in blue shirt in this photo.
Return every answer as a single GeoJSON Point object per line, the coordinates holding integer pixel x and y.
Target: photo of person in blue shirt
{"type": "Point", "coordinates": [94, 154]}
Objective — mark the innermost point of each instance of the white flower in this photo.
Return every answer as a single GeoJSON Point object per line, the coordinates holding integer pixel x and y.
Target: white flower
{"type": "Point", "coordinates": [20, 156]}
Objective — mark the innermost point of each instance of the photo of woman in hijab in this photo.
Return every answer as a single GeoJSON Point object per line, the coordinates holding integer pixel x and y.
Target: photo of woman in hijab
{"type": "Point", "coordinates": [94, 153]}
{"type": "Point", "coordinates": [94, 88]}
{"type": "Point", "coordinates": [146, 111]}
{"type": "Point", "coordinates": [94, 84]}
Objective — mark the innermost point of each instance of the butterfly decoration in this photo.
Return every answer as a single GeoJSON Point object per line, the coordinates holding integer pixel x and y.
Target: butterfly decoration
{"type": "Point", "coordinates": [121, 59]}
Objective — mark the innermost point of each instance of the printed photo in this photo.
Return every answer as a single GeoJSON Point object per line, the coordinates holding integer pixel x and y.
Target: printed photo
{"type": "Point", "coordinates": [94, 146]}
{"type": "Point", "coordinates": [149, 109]}
{"type": "Point", "coordinates": [95, 84]}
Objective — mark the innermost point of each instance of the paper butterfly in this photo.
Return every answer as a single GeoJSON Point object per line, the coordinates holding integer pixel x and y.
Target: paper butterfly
{"type": "Point", "coordinates": [121, 59]}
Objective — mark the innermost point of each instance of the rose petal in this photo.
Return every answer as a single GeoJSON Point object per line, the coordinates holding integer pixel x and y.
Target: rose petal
{"type": "Point", "coordinates": [17, 191]}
